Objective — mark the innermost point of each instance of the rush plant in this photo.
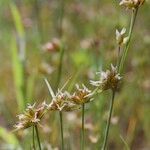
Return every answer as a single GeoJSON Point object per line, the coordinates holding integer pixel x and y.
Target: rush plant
{"type": "Point", "coordinates": [64, 101]}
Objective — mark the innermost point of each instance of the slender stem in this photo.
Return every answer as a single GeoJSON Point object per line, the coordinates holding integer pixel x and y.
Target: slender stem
{"type": "Point", "coordinates": [82, 132]}
{"type": "Point", "coordinates": [33, 139]}
{"type": "Point", "coordinates": [133, 18]}
{"type": "Point", "coordinates": [38, 138]}
{"type": "Point", "coordinates": [61, 130]}
{"type": "Point", "coordinates": [118, 59]}
{"type": "Point", "coordinates": [60, 20]}
{"type": "Point", "coordinates": [60, 33]}
{"type": "Point", "coordinates": [60, 67]}
{"type": "Point", "coordinates": [109, 120]}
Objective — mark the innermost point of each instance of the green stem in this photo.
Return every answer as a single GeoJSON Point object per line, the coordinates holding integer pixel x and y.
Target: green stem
{"type": "Point", "coordinates": [82, 132]}
{"type": "Point", "coordinates": [60, 67]}
{"type": "Point", "coordinates": [109, 120]}
{"type": "Point", "coordinates": [33, 139]}
{"type": "Point", "coordinates": [118, 59]}
{"type": "Point", "coordinates": [61, 130]}
{"type": "Point", "coordinates": [38, 138]}
{"type": "Point", "coordinates": [60, 33]}
{"type": "Point", "coordinates": [60, 20]}
{"type": "Point", "coordinates": [133, 18]}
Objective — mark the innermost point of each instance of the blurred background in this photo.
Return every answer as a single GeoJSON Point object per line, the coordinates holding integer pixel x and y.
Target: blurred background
{"type": "Point", "coordinates": [32, 34]}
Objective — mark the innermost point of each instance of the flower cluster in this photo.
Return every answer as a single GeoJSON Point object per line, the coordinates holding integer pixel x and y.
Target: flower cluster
{"type": "Point", "coordinates": [132, 4]}
{"type": "Point", "coordinates": [32, 116]}
{"type": "Point", "coordinates": [82, 95]}
{"type": "Point", "coordinates": [108, 79]}
{"type": "Point", "coordinates": [61, 102]}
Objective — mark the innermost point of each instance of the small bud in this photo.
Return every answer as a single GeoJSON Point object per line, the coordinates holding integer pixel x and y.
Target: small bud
{"type": "Point", "coordinates": [52, 46]}
{"type": "Point", "coordinates": [120, 37]}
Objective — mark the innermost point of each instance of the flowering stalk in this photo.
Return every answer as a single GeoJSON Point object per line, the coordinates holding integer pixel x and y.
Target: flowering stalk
{"type": "Point", "coordinates": [38, 138]}
{"type": "Point", "coordinates": [109, 120]}
{"type": "Point", "coordinates": [61, 130]}
{"type": "Point", "coordinates": [133, 18]}
{"type": "Point", "coordinates": [82, 132]}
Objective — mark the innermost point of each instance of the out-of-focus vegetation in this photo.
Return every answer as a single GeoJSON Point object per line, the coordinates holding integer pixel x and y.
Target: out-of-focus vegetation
{"type": "Point", "coordinates": [31, 38]}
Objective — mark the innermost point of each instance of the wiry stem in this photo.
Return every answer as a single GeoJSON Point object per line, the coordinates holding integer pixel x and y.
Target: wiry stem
{"type": "Point", "coordinates": [60, 33]}
{"type": "Point", "coordinates": [33, 139]}
{"type": "Point", "coordinates": [61, 130]}
{"type": "Point", "coordinates": [118, 60]}
{"type": "Point", "coordinates": [38, 138]}
{"type": "Point", "coordinates": [82, 132]}
{"type": "Point", "coordinates": [60, 67]}
{"type": "Point", "coordinates": [109, 120]}
{"type": "Point", "coordinates": [133, 18]}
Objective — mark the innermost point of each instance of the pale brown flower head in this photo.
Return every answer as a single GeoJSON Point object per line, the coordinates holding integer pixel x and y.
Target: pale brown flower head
{"type": "Point", "coordinates": [60, 101]}
{"type": "Point", "coordinates": [131, 4]}
{"type": "Point", "coordinates": [32, 116]}
{"type": "Point", "coordinates": [108, 79]}
{"type": "Point", "coordinates": [81, 95]}
{"type": "Point", "coordinates": [120, 37]}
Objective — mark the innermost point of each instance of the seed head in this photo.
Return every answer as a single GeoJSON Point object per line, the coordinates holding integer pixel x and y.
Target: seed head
{"type": "Point", "coordinates": [120, 37]}
{"type": "Point", "coordinates": [32, 116]}
{"type": "Point", "coordinates": [108, 79]}
{"type": "Point", "coordinates": [131, 4]}
{"type": "Point", "coordinates": [61, 102]}
{"type": "Point", "coordinates": [82, 95]}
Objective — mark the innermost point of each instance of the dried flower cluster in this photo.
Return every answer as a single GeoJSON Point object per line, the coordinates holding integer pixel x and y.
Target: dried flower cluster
{"type": "Point", "coordinates": [82, 95]}
{"type": "Point", "coordinates": [108, 79]}
{"type": "Point", "coordinates": [132, 4]}
{"type": "Point", "coordinates": [61, 101]}
{"type": "Point", "coordinates": [32, 116]}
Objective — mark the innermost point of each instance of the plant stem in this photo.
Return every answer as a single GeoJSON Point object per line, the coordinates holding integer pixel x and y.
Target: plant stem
{"type": "Point", "coordinates": [60, 33]}
{"type": "Point", "coordinates": [82, 132]}
{"type": "Point", "coordinates": [61, 15]}
{"type": "Point", "coordinates": [61, 130]}
{"type": "Point", "coordinates": [133, 18]}
{"type": "Point", "coordinates": [109, 120]}
{"type": "Point", "coordinates": [118, 60]}
{"type": "Point", "coordinates": [60, 67]}
{"type": "Point", "coordinates": [38, 138]}
{"type": "Point", "coordinates": [33, 139]}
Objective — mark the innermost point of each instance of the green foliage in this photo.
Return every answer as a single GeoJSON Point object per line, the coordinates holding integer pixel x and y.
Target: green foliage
{"type": "Point", "coordinates": [8, 137]}
{"type": "Point", "coordinates": [18, 75]}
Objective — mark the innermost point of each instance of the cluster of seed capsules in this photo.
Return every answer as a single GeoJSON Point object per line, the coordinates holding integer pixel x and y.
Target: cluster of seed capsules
{"type": "Point", "coordinates": [64, 101]}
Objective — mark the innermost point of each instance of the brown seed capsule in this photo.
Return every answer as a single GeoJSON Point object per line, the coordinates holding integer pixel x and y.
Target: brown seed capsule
{"type": "Point", "coordinates": [82, 95]}
{"type": "Point", "coordinates": [108, 79]}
